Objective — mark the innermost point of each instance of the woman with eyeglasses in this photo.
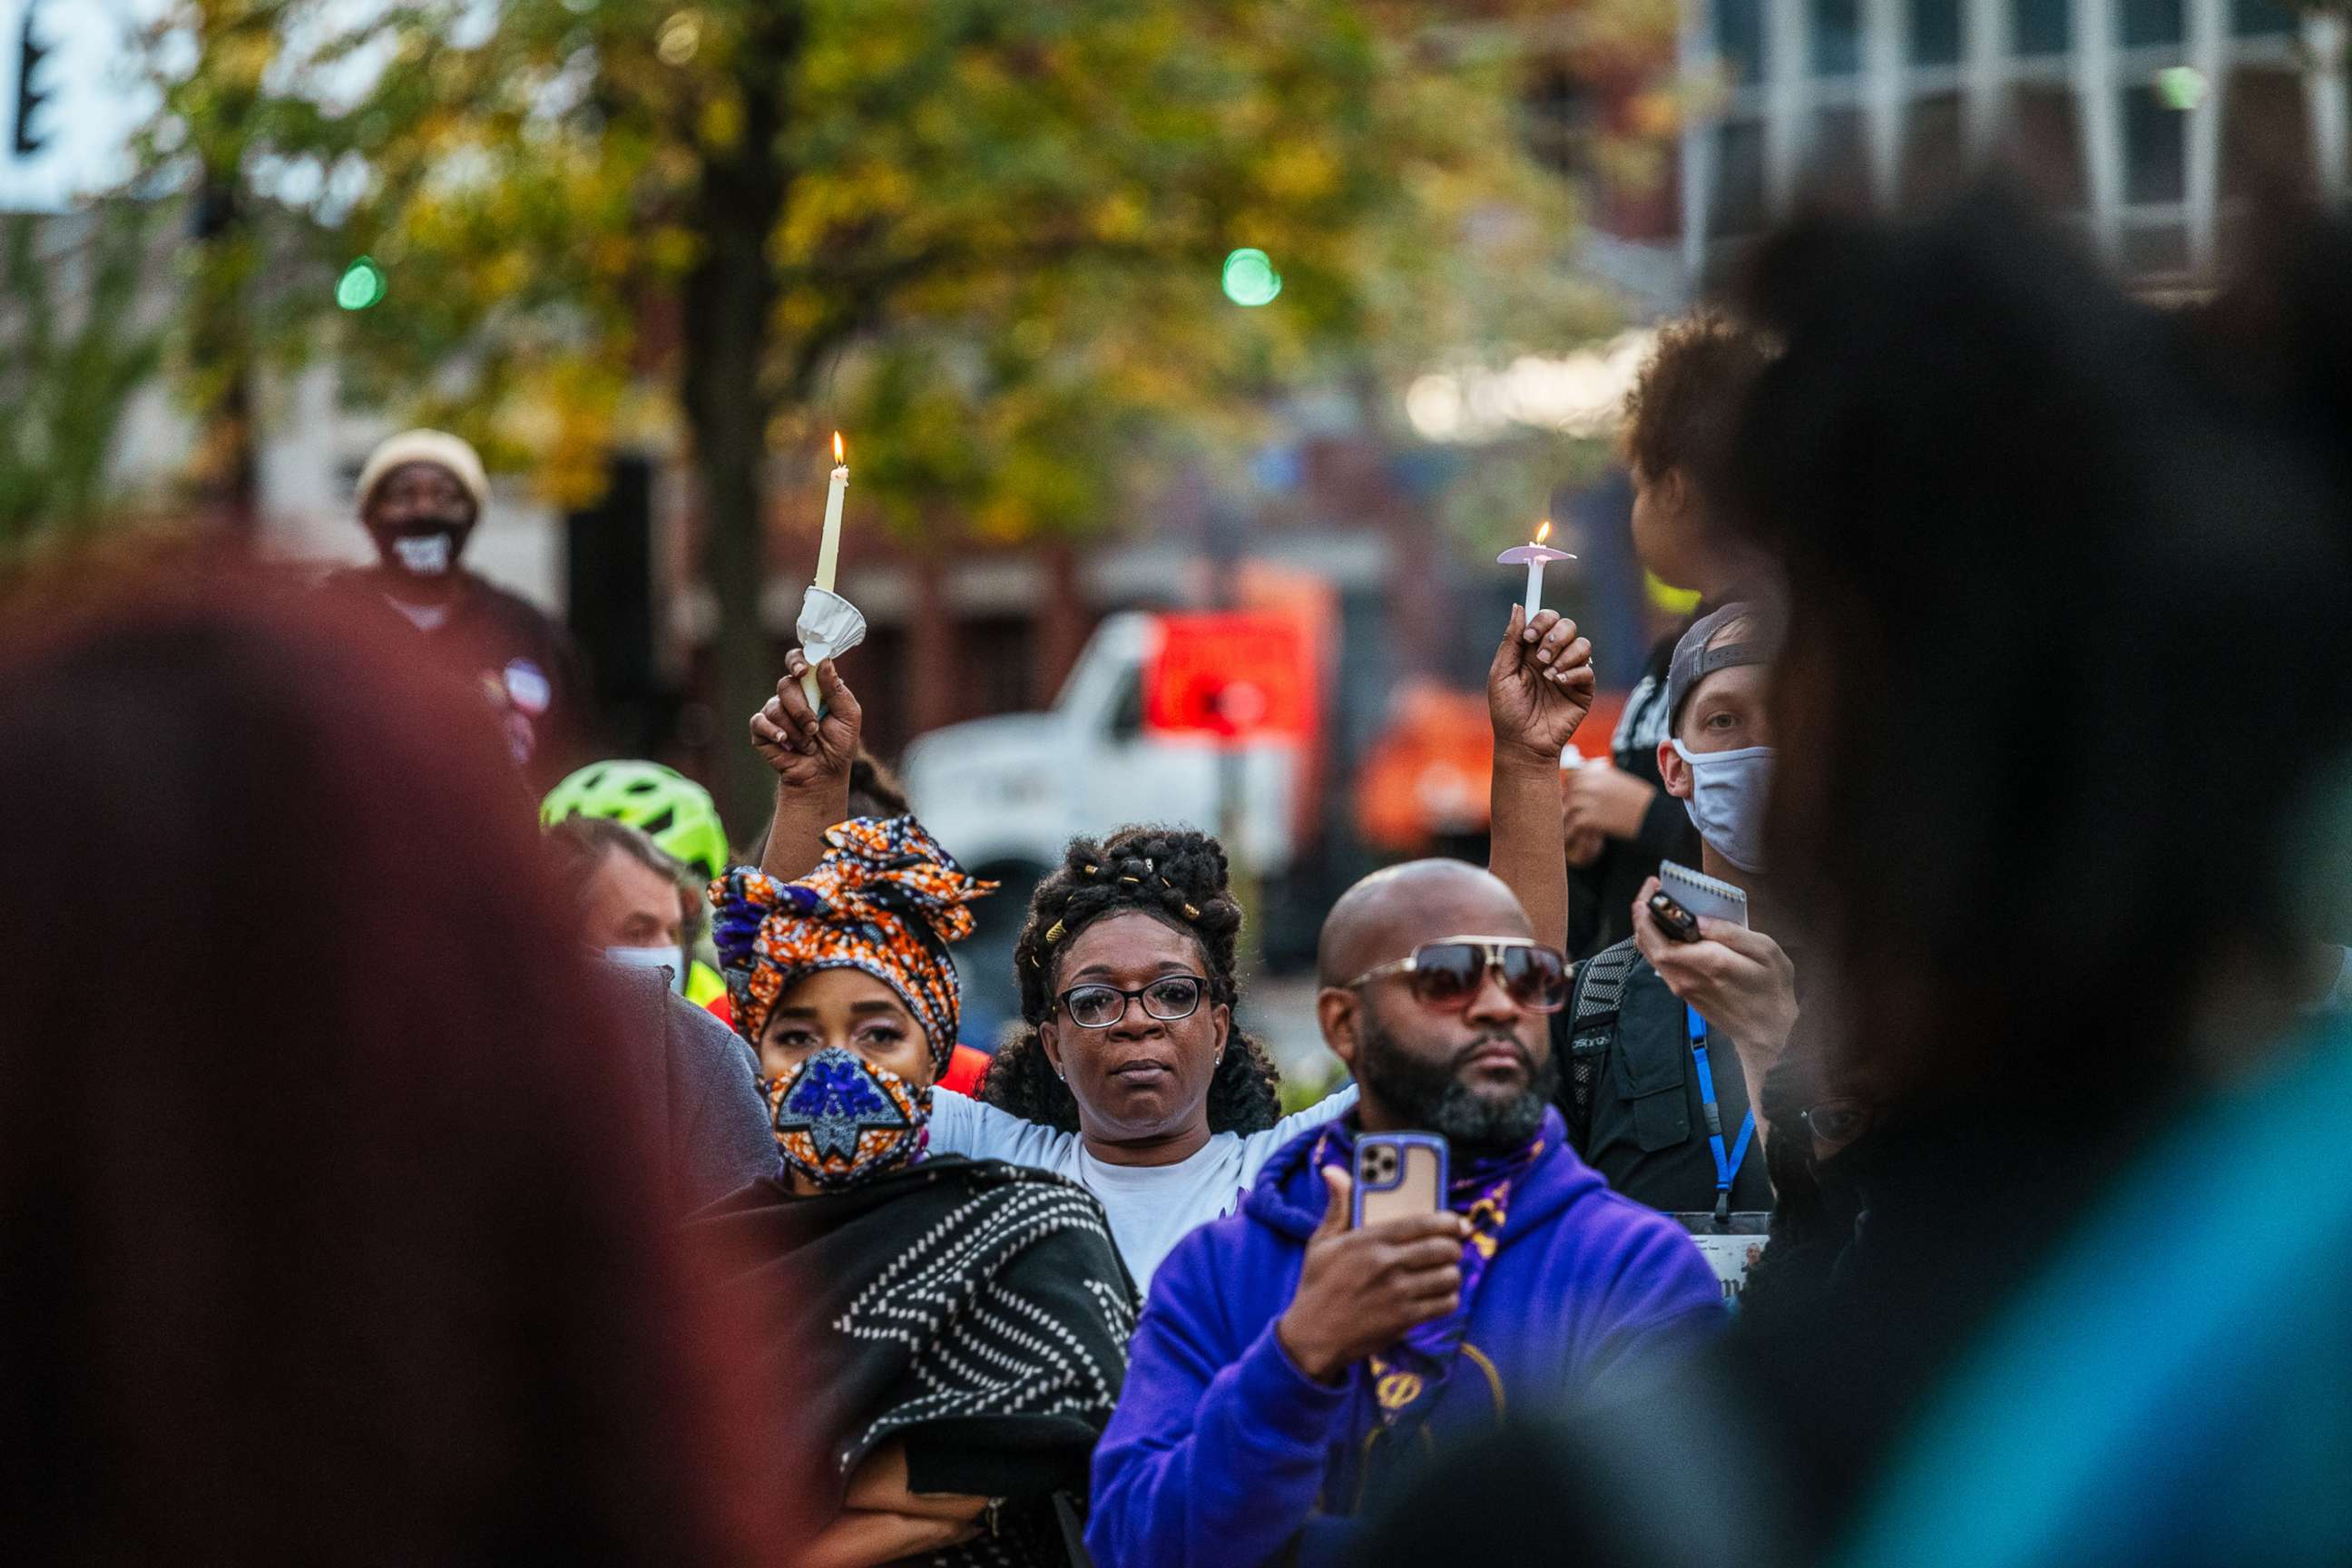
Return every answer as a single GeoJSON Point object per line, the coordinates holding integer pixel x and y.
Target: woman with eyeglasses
{"type": "Point", "coordinates": [1131, 1076]}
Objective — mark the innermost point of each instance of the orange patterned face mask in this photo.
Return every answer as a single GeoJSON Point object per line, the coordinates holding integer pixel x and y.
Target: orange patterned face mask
{"type": "Point", "coordinates": [885, 900]}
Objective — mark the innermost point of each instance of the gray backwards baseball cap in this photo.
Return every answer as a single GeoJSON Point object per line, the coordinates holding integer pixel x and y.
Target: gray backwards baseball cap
{"type": "Point", "coordinates": [1694, 660]}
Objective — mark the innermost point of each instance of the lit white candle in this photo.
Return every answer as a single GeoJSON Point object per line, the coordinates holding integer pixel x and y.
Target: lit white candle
{"type": "Point", "coordinates": [828, 553]}
{"type": "Point", "coordinates": [1534, 555]}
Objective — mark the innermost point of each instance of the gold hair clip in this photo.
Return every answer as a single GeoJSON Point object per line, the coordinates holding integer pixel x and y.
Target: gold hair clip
{"type": "Point", "coordinates": [1054, 934]}
{"type": "Point", "coordinates": [1191, 913]}
{"type": "Point", "coordinates": [1094, 871]}
{"type": "Point", "coordinates": [1129, 882]}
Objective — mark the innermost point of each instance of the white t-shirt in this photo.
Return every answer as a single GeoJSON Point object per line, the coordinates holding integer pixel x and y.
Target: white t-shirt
{"type": "Point", "coordinates": [1150, 1208]}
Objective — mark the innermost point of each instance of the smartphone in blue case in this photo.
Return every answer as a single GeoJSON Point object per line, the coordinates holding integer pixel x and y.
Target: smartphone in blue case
{"type": "Point", "coordinates": [1398, 1175]}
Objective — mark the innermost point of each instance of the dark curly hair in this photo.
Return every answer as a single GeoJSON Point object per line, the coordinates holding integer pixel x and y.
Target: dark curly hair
{"type": "Point", "coordinates": [1686, 405]}
{"type": "Point", "coordinates": [1177, 876]}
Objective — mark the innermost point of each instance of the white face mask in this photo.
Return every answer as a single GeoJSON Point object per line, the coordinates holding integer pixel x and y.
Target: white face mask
{"type": "Point", "coordinates": [424, 554]}
{"type": "Point", "coordinates": [670, 958]}
{"type": "Point", "coordinates": [1727, 802]}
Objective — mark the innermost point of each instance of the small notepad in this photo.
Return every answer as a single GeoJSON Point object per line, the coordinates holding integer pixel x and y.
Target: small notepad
{"type": "Point", "coordinates": [1708, 897]}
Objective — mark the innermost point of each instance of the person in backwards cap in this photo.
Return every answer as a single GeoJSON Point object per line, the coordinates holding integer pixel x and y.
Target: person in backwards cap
{"type": "Point", "coordinates": [421, 494]}
{"type": "Point", "coordinates": [958, 1327]}
{"type": "Point", "coordinates": [1665, 1042]}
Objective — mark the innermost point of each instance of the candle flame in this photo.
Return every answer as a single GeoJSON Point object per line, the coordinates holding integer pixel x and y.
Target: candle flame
{"type": "Point", "coordinates": [1544, 532]}
{"type": "Point", "coordinates": [839, 454]}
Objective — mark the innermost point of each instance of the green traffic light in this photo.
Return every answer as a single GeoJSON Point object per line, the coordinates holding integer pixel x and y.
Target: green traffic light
{"type": "Point", "coordinates": [362, 285]}
{"type": "Point", "coordinates": [1250, 279]}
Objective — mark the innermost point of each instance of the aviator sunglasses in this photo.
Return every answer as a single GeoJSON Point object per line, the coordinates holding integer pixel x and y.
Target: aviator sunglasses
{"type": "Point", "coordinates": [1447, 973]}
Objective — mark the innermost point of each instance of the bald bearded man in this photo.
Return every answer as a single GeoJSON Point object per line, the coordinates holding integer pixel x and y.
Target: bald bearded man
{"type": "Point", "coordinates": [1289, 1366]}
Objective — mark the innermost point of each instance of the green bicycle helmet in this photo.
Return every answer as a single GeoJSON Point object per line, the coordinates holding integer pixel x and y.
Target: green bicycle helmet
{"type": "Point", "coordinates": [663, 804]}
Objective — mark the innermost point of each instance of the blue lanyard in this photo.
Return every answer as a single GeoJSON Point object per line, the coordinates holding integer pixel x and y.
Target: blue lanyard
{"type": "Point", "coordinates": [1727, 1167]}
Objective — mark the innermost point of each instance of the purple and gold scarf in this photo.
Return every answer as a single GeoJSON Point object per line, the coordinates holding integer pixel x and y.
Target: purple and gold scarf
{"type": "Point", "coordinates": [1479, 1189]}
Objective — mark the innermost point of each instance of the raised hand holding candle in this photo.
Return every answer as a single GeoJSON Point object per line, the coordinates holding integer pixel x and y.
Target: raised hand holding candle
{"type": "Point", "coordinates": [828, 553]}
{"type": "Point", "coordinates": [1534, 555]}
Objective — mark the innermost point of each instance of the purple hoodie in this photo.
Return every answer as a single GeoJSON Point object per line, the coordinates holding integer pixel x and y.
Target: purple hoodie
{"type": "Point", "coordinates": [1221, 1449]}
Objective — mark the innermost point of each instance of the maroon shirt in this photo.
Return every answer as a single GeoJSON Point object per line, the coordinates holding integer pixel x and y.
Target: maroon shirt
{"type": "Point", "coordinates": [524, 661]}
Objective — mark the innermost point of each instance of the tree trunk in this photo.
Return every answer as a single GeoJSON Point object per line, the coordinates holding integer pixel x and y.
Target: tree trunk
{"type": "Point", "coordinates": [221, 351]}
{"type": "Point", "coordinates": [730, 305]}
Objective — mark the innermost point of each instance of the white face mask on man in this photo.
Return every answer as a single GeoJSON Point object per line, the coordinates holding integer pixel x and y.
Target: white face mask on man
{"type": "Point", "coordinates": [425, 555]}
{"type": "Point", "coordinates": [671, 958]}
{"type": "Point", "coordinates": [1726, 801]}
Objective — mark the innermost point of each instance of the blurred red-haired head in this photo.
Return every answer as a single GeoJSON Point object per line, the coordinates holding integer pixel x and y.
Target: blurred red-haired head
{"type": "Point", "coordinates": [326, 1232]}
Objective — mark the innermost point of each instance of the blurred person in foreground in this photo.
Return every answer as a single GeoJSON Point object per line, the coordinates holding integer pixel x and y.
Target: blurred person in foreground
{"type": "Point", "coordinates": [1131, 1076]}
{"type": "Point", "coordinates": [2033, 557]}
{"type": "Point", "coordinates": [636, 912]}
{"type": "Point", "coordinates": [682, 821]}
{"type": "Point", "coordinates": [1619, 821]}
{"type": "Point", "coordinates": [327, 1235]}
{"type": "Point", "coordinates": [2205, 1375]}
{"type": "Point", "coordinates": [1290, 1370]}
{"type": "Point", "coordinates": [955, 1330]}
{"type": "Point", "coordinates": [421, 495]}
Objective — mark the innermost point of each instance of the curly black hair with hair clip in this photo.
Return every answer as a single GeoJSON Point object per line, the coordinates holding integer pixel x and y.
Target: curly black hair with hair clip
{"type": "Point", "coordinates": [1179, 877]}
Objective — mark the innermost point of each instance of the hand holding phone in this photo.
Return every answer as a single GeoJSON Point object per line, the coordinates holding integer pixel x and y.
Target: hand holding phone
{"type": "Point", "coordinates": [1399, 1176]}
{"type": "Point", "coordinates": [1678, 923]}
{"type": "Point", "coordinates": [1363, 1287]}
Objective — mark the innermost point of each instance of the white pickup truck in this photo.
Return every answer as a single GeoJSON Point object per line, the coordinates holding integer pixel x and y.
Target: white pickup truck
{"type": "Point", "coordinates": [1005, 794]}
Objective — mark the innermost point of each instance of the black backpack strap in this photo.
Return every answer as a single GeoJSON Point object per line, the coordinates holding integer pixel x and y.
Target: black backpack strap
{"type": "Point", "coordinates": [1592, 1005]}
{"type": "Point", "coordinates": [1074, 1531]}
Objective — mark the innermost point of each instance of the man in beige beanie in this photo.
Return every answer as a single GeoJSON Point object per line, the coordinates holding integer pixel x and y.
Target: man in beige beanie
{"type": "Point", "coordinates": [420, 495]}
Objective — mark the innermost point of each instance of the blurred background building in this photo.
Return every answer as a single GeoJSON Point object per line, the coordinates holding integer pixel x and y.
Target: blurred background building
{"type": "Point", "coordinates": [2151, 124]}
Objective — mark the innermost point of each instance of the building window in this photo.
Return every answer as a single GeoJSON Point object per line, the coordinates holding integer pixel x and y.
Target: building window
{"type": "Point", "coordinates": [1835, 36]}
{"type": "Point", "coordinates": [999, 653]}
{"type": "Point", "coordinates": [2041, 26]}
{"type": "Point", "coordinates": [2149, 22]}
{"type": "Point", "coordinates": [2156, 160]}
{"type": "Point", "coordinates": [1935, 152]}
{"type": "Point", "coordinates": [2266, 134]}
{"type": "Point", "coordinates": [1737, 201]}
{"type": "Point", "coordinates": [1740, 39]}
{"type": "Point", "coordinates": [1935, 32]}
{"type": "Point", "coordinates": [1837, 159]}
{"type": "Point", "coordinates": [2045, 144]}
{"type": "Point", "coordinates": [2255, 19]}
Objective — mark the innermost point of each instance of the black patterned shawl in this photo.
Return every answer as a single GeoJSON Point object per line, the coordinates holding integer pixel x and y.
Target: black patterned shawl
{"type": "Point", "coordinates": [978, 1311]}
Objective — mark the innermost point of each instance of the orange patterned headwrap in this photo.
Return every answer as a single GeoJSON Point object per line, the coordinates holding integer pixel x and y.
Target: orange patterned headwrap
{"type": "Point", "coordinates": [885, 900]}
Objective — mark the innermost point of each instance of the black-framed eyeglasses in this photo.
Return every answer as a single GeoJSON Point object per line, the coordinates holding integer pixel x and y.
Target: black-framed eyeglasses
{"type": "Point", "coordinates": [1834, 1123]}
{"type": "Point", "coordinates": [1168, 999]}
{"type": "Point", "coordinates": [1448, 973]}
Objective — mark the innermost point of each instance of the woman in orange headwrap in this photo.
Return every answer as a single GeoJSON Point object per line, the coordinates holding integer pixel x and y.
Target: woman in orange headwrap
{"type": "Point", "coordinates": [958, 1327]}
